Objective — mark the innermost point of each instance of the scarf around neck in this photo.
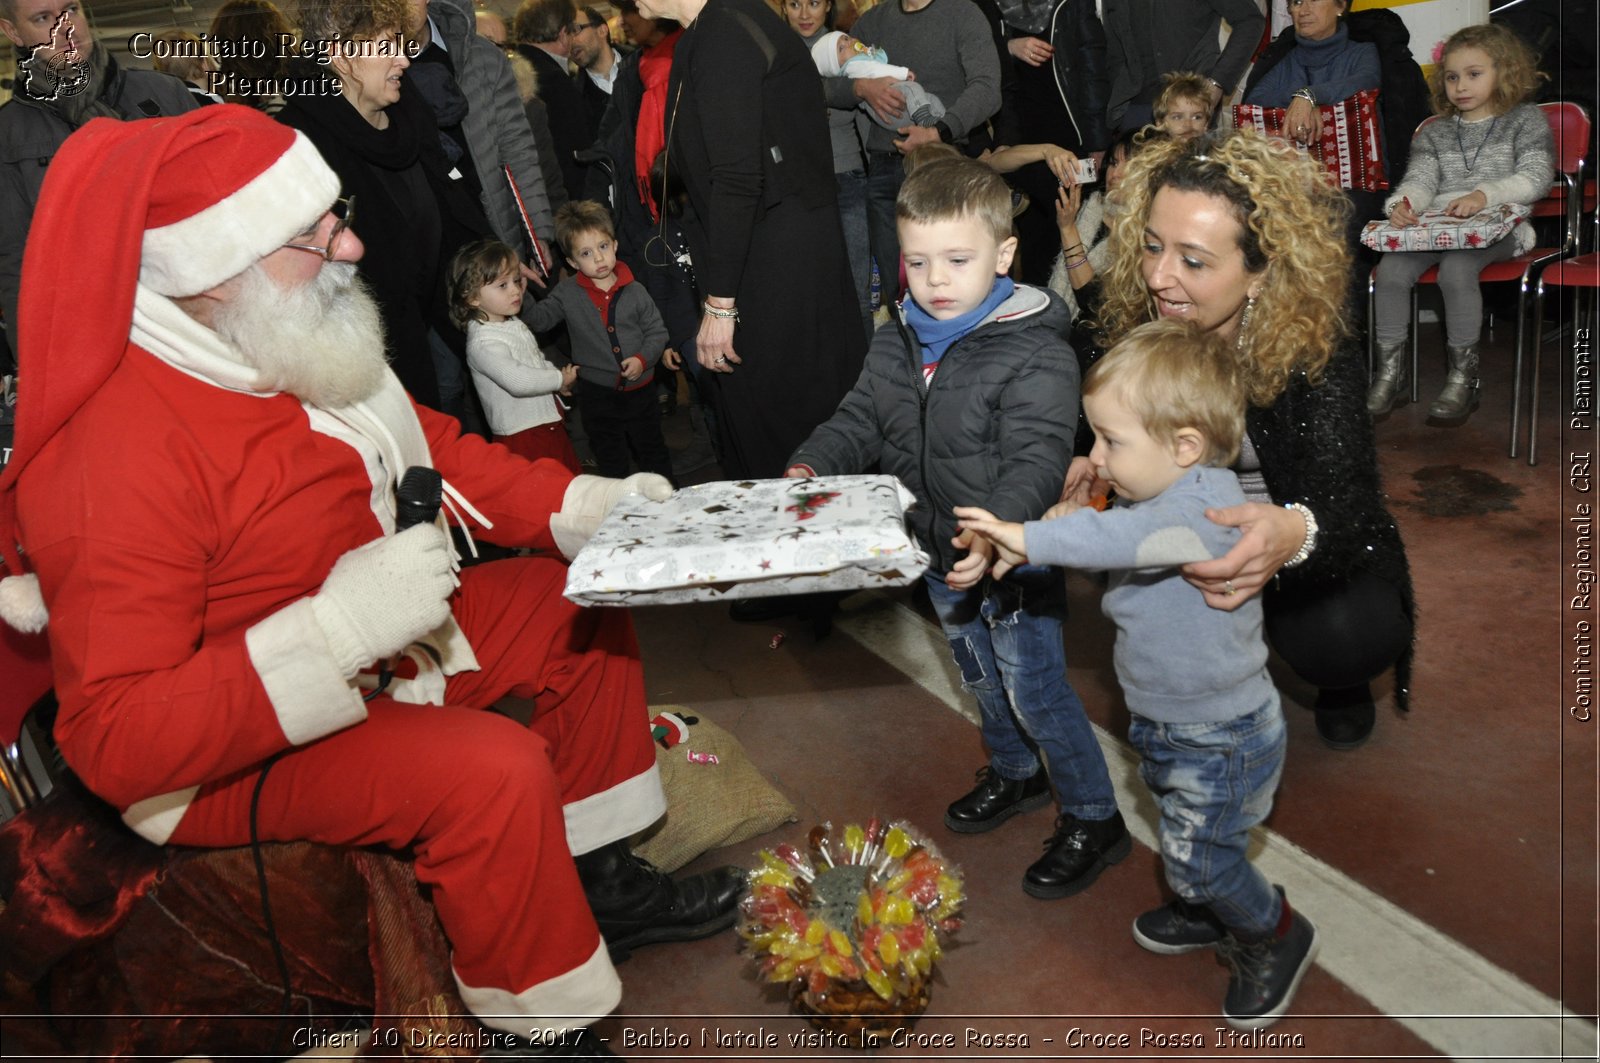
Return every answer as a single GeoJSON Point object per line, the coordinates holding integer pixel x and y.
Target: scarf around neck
{"type": "Point", "coordinates": [393, 148]}
{"type": "Point", "coordinates": [936, 337]}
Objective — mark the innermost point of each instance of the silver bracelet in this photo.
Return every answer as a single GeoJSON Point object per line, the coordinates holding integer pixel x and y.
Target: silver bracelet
{"type": "Point", "coordinates": [1306, 94]}
{"type": "Point", "coordinates": [1310, 542]}
{"type": "Point", "coordinates": [727, 314]}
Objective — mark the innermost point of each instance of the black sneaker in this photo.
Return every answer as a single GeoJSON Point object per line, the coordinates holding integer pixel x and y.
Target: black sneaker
{"type": "Point", "coordinates": [996, 799]}
{"type": "Point", "coordinates": [1266, 973]}
{"type": "Point", "coordinates": [1076, 854]}
{"type": "Point", "coordinates": [1178, 927]}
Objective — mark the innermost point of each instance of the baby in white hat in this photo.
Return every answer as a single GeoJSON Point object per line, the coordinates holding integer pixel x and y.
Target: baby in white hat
{"type": "Point", "coordinates": [837, 54]}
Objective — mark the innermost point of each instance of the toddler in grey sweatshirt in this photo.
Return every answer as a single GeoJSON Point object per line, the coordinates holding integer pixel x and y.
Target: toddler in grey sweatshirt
{"type": "Point", "coordinates": [1167, 407]}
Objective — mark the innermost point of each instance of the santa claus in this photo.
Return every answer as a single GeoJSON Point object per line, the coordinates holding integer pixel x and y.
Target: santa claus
{"type": "Point", "coordinates": [204, 487]}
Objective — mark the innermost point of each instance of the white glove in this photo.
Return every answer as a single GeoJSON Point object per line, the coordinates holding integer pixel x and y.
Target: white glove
{"type": "Point", "coordinates": [385, 595]}
{"type": "Point", "coordinates": [590, 498]}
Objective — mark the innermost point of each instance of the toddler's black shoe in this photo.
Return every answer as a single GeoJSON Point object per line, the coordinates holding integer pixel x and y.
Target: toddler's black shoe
{"type": "Point", "coordinates": [1076, 854]}
{"type": "Point", "coordinates": [996, 799]}
{"type": "Point", "coordinates": [1178, 927]}
{"type": "Point", "coordinates": [1266, 973]}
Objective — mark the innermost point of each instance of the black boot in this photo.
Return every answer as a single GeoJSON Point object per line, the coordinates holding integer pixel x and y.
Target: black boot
{"type": "Point", "coordinates": [1076, 854]}
{"type": "Point", "coordinates": [636, 903]}
{"type": "Point", "coordinates": [1266, 971]}
{"type": "Point", "coordinates": [1345, 718]}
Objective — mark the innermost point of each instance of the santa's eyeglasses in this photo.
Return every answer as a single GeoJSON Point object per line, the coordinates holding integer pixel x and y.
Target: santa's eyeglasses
{"type": "Point", "coordinates": [344, 212]}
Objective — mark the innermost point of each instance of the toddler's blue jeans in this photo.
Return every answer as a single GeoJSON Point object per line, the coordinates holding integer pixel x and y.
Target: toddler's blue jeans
{"type": "Point", "coordinates": [1214, 781]}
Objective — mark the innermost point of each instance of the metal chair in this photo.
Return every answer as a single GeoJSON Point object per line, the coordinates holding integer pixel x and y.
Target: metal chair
{"type": "Point", "coordinates": [1581, 273]}
{"type": "Point", "coordinates": [1569, 124]}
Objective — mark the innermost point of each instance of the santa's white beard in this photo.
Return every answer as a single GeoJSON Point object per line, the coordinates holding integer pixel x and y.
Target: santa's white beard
{"type": "Point", "coordinates": [321, 342]}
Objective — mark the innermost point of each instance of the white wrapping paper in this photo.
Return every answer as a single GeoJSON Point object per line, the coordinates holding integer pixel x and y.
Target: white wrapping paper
{"type": "Point", "coordinates": [750, 539]}
{"type": "Point", "coordinates": [1437, 231]}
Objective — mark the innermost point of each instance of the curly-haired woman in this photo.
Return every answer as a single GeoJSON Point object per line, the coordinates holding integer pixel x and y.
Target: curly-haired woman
{"type": "Point", "coordinates": [1243, 237]}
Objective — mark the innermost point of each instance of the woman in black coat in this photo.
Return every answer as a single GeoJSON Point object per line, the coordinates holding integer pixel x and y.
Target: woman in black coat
{"type": "Point", "coordinates": [384, 144]}
{"type": "Point", "coordinates": [747, 135]}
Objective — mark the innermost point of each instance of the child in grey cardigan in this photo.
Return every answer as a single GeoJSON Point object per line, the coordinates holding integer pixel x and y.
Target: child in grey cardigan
{"type": "Point", "coordinates": [617, 338]}
{"type": "Point", "coordinates": [1167, 406]}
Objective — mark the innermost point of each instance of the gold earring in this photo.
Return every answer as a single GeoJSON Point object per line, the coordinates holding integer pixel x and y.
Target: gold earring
{"type": "Point", "coordinates": [1244, 322]}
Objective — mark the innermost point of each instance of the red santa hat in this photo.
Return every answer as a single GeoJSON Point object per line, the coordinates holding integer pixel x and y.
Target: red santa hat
{"type": "Point", "coordinates": [179, 204]}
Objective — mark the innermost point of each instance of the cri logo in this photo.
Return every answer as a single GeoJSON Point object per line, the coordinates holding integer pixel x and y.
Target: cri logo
{"type": "Point", "coordinates": [56, 69]}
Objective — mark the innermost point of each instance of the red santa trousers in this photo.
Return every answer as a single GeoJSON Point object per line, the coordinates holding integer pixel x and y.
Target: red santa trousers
{"type": "Point", "coordinates": [544, 441]}
{"type": "Point", "coordinates": [487, 805]}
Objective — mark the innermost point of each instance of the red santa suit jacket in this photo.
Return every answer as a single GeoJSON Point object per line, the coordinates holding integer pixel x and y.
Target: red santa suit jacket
{"type": "Point", "coordinates": [179, 521]}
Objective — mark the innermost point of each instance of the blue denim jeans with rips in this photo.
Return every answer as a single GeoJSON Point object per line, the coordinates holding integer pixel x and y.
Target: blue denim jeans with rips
{"type": "Point", "coordinates": [1214, 781]}
{"type": "Point", "coordinates": [1006, 638]}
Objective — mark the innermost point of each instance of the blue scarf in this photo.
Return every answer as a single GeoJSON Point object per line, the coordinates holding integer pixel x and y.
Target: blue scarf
{"type": "Point", "coordinates": [937, 336]}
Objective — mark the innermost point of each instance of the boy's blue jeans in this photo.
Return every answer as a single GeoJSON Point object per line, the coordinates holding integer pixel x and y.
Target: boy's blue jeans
{"type": "Point", "coordinates": [1214, 781]}
{"type": "Point", "coordinates": [1006, 638]}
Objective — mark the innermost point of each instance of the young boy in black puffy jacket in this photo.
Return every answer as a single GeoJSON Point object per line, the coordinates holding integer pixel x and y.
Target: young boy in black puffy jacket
{"type": "Point", "coordinates": [972, 393]}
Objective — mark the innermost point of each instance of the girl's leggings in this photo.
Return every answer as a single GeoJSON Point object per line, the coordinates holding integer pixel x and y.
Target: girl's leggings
{"type": "Point", "coordinates": [1458, 283]}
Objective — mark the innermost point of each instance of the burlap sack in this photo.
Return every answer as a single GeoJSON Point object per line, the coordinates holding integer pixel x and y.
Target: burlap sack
{"type": "Point", "coordinates": [708, 805]}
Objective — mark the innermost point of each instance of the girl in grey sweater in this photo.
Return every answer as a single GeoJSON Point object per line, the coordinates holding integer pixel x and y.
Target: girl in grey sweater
{"type": "Point", "coordinates": [1488, 148]}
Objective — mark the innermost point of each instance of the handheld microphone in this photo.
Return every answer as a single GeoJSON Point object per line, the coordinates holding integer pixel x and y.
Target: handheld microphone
{"type": "Point", "coordinates": [418, 497]}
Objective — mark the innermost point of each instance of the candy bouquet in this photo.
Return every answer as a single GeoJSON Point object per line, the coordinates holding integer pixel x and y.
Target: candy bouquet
{"type": "Point", "coordinates": [853, 925]}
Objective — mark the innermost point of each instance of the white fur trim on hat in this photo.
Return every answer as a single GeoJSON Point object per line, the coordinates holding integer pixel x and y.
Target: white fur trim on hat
{"type": "Point", "coordinates": [223, 240]}
{"type": "Point", "coordinates": [21, 604]}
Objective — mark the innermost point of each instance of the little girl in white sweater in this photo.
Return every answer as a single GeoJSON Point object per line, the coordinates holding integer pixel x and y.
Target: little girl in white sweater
{"type": "Point", "coordinates": [516, 384]}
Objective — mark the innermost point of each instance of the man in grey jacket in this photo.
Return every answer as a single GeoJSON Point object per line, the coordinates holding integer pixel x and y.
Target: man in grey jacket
{"type": "Point", "coordinates": [948, 45]}
{"type": "Point", "coordinates": [1146, 39]}
{"type": "Point", "coordinates": [493, 125]}
{"type": "Point", "coordinates": [48, 105]}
